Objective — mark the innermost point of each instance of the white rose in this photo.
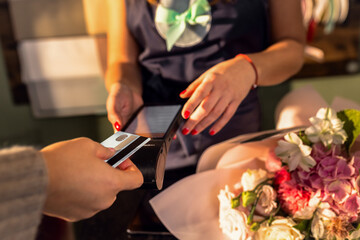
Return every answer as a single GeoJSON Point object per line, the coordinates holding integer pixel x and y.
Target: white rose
{"type": "Point", "coordinates": [266, 203]}
{"type": "Point", "coordinates": [251, 178]}
{"type": "Point", "coordinates": [225, 197]}
{"type": "Point", "coordinates": [281, 228]}
{"type": "Point", "coordinates": [233, 224]}
{"type": "Point", "coordinates": [232, 221]}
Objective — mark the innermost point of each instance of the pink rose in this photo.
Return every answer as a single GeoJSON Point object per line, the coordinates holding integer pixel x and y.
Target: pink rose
{"type": "Point", "coordinates": [267, 201]}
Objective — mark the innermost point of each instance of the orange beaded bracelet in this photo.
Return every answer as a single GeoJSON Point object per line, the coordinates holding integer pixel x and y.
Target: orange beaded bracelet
{"type": "Point", "coordinates": [246, 57]}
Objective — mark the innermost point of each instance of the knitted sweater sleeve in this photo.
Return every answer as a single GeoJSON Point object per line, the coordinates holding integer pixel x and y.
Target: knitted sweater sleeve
{"type": "Point", "coordinates": [23, 181]}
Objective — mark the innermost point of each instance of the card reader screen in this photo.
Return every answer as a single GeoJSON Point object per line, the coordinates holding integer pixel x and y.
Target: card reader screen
{"type": "Point", "coordinates": [153, 121]}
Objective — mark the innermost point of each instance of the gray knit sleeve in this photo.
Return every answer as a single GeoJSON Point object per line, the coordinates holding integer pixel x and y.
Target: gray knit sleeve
{"type": "Point", "coordinates": [23, 181]}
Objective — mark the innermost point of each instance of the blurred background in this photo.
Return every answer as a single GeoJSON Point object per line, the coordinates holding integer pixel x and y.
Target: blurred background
{"type": "Point", "coordinates": [51, 71]}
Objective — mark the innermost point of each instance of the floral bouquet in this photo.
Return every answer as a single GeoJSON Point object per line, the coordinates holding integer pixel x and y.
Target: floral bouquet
{"type": "Point", "coordinates": [309, 190]}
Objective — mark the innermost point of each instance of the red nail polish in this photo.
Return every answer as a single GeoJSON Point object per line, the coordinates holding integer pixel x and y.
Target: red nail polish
{"type": "Point", "coordinates": [183, 92]}
{"type": "Point", "coordinates": [186, 114]}
{"type": "Point", "coordinates": [117, 126]}
{"type": "Point", "coordinates": [194, 132]}
{"type": "Point", "coordinates": [185, 131]}
{"type": "Point", "coordinates": [212, 132]}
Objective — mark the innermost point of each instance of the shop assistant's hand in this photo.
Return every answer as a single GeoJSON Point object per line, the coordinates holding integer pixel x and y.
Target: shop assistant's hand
{"type": "Point", "coordinates": [215, 95]}
{"type": "Point", "coordinates": [121, 103]}
{"type": "Point", "coordinates": [80, 182]}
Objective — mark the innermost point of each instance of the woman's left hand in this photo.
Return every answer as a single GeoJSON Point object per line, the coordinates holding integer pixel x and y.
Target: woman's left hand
{"type": "Point", "coordinates": [215, 95]}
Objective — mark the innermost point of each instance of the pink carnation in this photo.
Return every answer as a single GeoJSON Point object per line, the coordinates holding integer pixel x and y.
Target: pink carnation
{"type": "Point", "coordinates": [293, 197]}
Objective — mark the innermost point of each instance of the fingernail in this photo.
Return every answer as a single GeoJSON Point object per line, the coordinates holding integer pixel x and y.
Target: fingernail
{"type": "Point", "coordinates": [174, 137]}
{"type": "Point", "coordinates": [183, 92]}
{"type": "Point", "coordinates": [194, 132]}
{"type": "Point", "coordinates": [186, 114]}
{"type": "Point", "coordinates": [212, 132]}
{"type": "Point", "coordinates": [117, 126]}
{"type": "Point", "coordinates": [185, 131]}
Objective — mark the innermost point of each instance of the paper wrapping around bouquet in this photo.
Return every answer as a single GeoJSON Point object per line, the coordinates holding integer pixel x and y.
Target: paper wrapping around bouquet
{"type": "Point", "coordinates": [189, 209]}
{"type": "Point", "coordinates": [296, 107]}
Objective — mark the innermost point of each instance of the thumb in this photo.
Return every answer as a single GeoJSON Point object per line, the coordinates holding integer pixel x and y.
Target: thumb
{"type": "Point", "coordinates": [104, 152]}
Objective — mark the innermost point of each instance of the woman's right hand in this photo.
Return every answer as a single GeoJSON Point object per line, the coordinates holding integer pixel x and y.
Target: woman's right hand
{"type": "Point", "coordinates": [121, 103]}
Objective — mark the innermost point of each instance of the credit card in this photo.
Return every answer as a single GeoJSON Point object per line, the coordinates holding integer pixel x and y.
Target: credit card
{"type": "Point", "coordinates": [125, 144]}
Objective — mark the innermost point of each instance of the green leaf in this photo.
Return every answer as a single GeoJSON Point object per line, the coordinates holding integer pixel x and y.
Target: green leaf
{"type": "Point", "coordinates": [302, 225]}
{"type": "Point", "coordinates": [304, 138]}
{"type": "Point", "coordinates": [357, 227]}
{"type": "Point", "coordinates": [235, 202]}
{"type": "Point", "coordinates": [255, 226]}
{"type": "Point", "coordinates": [271, 219]}
{"type": "Point", "coordinates": [248, 198]}
{"type": "Point", "coordinates": [351, 119]}
{"type": "Point", "coordinates": [249, 219]}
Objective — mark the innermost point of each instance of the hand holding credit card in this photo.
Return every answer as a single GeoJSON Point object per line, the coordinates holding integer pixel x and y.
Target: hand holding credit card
{"type": "Point", "coordinates": [125, 144]}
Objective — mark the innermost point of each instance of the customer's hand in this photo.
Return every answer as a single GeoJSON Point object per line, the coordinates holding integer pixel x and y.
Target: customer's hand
{"type": "Point", "coordinates": [215, 95]}
{"type": "Point", "coordinates": [121, 103]}
{"type": "Point", "coordinates": [80, 182]}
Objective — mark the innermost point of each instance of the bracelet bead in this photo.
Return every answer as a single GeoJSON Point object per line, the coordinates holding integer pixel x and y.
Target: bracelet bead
{"type": "Point", "coordinates": [248, 59]}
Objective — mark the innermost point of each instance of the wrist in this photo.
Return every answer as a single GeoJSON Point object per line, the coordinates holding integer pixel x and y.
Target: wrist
{"type": "Point", "coordinates": [115, 87]}
{"type": "Point", "coordinates": [249, 60]}
{"type": "Point", "coordinates": [126, 74]}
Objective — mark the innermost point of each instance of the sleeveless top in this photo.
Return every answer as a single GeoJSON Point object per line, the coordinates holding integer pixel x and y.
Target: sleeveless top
{"type": "Point", "coordinates": [236, 27]}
